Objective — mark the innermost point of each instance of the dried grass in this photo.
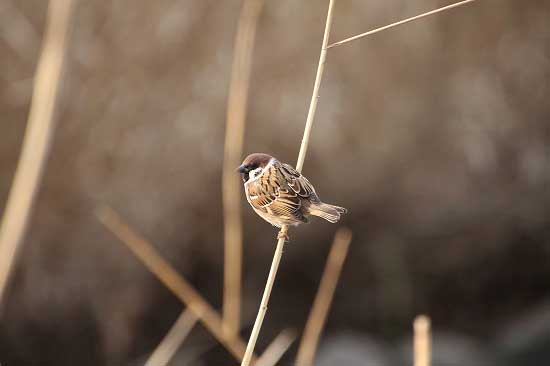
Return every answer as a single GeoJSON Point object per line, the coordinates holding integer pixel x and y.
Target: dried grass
{"type": "Point", "coordinates": [395, 24]}
{"type": "Point", "coordinates": [422, 341]}
{"type": "Point", "coordinates": [179, 286]}
{"type": "Point", "coordinates": [323, 299]}
{"type": "Point", "coordinates": [233, 150]}
{"type": "Point", "coordinates": [172, 341]}
{"type": "Point", "coordinates": [37, 141]}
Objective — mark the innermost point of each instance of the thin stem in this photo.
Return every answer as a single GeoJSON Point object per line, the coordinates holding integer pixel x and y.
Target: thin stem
{"type": "Point", "coordinates": [170, 344]}
{"type": "Point", "coordinates": [422, 341]}
{"type": "Point", "coordinates": [277, 348]}
{"type": "Point", "coordinates": [37, 141]}
{"type": "Point", "coordinates": [265, 299]}
{"type": "Point", "coordinates": [315, 94]}
{"type": "Point", "coordinates": [284, 230]}
{"type": "Point", "coordinates": [231, 186]}
{"type": "Point", "coordinates": [423, 15]}
{"type": "Point", "coordinates": [321, 305]}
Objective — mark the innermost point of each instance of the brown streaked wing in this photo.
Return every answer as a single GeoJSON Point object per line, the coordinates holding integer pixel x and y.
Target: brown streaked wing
{"type": "Point", "coordinates": [298, 183]}
{"type": "Point", "coordinates": [258, 197]}
{"type": "Point", "coordinates": [271, 193]}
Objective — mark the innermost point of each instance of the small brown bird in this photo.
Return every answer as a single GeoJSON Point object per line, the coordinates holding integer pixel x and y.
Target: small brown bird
{"type": "Point", "coordinates": [280, 194]}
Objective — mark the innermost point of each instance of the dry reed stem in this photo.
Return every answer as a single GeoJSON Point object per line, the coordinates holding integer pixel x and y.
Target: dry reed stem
{"type": "Point", "coordinates": [233, 146]}
{"type": "Point", "coordinates": [299, 165]}
{"type": "Point", "coordinates": [172, 341]}
{"type": "Point", "coordinates": [423, 15]}
{"type": "Point", "coordinates": [265, 299]}
{"type": "Point", "coordinates": [180, 287]}
{"type": "Point", "coordinates": [276, 348]}
{"type": "Point", "coordinates": [37, 140]}
{"type": "Point", "coordinates": [422, 341]}
{"type": "Point", "coordinates": [323, 299]}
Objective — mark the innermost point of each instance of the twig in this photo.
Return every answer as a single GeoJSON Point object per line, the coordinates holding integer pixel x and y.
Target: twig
{"type": "Point", "coordinates": [284, 230]}
{"type": "Point", "coordinates": [276, 348]}
{"type": "Point", "coordinates": [169, 345]}
{"type": "Point", "coordinates": [231, 187]}
{"type": "Point", "coordinates": [37, 141]}
{"type": "Point", "coordinates": [171, 279]}
{"type": "Point", "coordinates": [422, 341]}
{"type": "Point", "coordinates": [323, 299]}
{"type": "Point", "coordinates": [400, 23]}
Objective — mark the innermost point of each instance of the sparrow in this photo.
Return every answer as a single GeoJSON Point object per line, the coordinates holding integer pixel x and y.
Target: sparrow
{"type": "Point", "coordinates": [280, 194]}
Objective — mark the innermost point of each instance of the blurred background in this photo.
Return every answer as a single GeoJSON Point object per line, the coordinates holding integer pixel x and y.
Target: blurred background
{"type": "Point", "coordinates": [435, 135]}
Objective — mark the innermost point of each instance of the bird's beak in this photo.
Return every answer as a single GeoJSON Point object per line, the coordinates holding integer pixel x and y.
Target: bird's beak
{"type": "Point", "coordinates": [241, 169]}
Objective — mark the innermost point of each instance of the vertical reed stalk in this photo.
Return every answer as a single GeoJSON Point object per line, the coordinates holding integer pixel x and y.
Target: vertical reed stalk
{"type": "Point", "coordinates": [233, 149]}
{"type": "Point", "coordinates": [37, 140]}
{"type": "Point", "coordinates": [321, 305]}
{"type": "Point", "coordinates": [422, 341]}
{"type": "Point", "coordinates": [284, 230]}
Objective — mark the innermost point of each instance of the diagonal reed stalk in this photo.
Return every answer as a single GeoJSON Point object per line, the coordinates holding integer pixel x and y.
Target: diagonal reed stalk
{"type": "Point", "coordinates": [321, 305]}
{"type": "Point", "coordinates": [277, 348]}
{"type": "Point", "coordinates": [37, 141]}
{"type": "Point", "coordinates": [299, 165]}
{"type": "Point", "coordinates": [197, 307]}
{"type": "Point", "coordinates": [422, 341]}
{"type": "Point", "coordinates": [177, 284]}
{"type": "Point", "coordinates": [172, 341]}
{"type": "Point", "coordinates": [411, 19]}
{"type": "Point", "coordinates": [233, 149]}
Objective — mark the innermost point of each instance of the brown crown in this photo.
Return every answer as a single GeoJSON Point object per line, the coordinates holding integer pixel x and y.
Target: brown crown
{"type": "Point", "coordinates": [258, 159]}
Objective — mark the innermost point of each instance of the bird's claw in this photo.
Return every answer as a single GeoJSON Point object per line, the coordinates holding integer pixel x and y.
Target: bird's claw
{"type": "Point", "coordinates": [282, 235]}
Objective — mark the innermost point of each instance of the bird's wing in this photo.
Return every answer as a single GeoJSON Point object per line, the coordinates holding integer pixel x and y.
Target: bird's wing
{"type": "Point", "coordinates": [279, 192]}
{"type": "Point", "coordinates": [298, 183]}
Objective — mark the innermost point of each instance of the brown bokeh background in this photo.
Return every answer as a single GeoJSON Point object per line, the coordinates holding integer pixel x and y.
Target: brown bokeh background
{"type": "Point", "coordinates": [435, 135]}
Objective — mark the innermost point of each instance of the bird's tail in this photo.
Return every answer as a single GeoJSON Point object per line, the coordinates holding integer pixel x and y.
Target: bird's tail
{"type": "Point", "coordinates": [328, 212]}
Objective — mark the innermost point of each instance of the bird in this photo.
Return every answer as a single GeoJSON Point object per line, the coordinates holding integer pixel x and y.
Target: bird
{"type": "Point", "coordinates": [280, 194]}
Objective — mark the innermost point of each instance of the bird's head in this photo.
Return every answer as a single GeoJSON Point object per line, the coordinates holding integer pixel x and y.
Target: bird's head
{"type": "Point", "coordinates": [253, 163]}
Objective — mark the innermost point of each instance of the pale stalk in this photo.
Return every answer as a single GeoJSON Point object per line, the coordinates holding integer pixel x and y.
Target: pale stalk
{"type": "Point", "coordinates": [37, 140]}
{"type": "Point", "coordinates": [284, 230]}
{"type": "Point", "coordinates": [233, 149]}
{"type": "Point", "coordinates": [277, 348]}
{"type": "Point", "coordinates": [422, 341]}
{"type": "Point", "coordinates": [172, 341]}
{"type": "Point", "coordinates": [176, 283]}
{"type": "Point", "coordinates": [411, 19]}
{"type": "Point", "coordinates": [323, 299]}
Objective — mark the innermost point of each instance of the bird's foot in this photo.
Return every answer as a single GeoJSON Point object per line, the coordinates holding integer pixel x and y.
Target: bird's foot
{"type": "Point", "coordinates": [282, 235]}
